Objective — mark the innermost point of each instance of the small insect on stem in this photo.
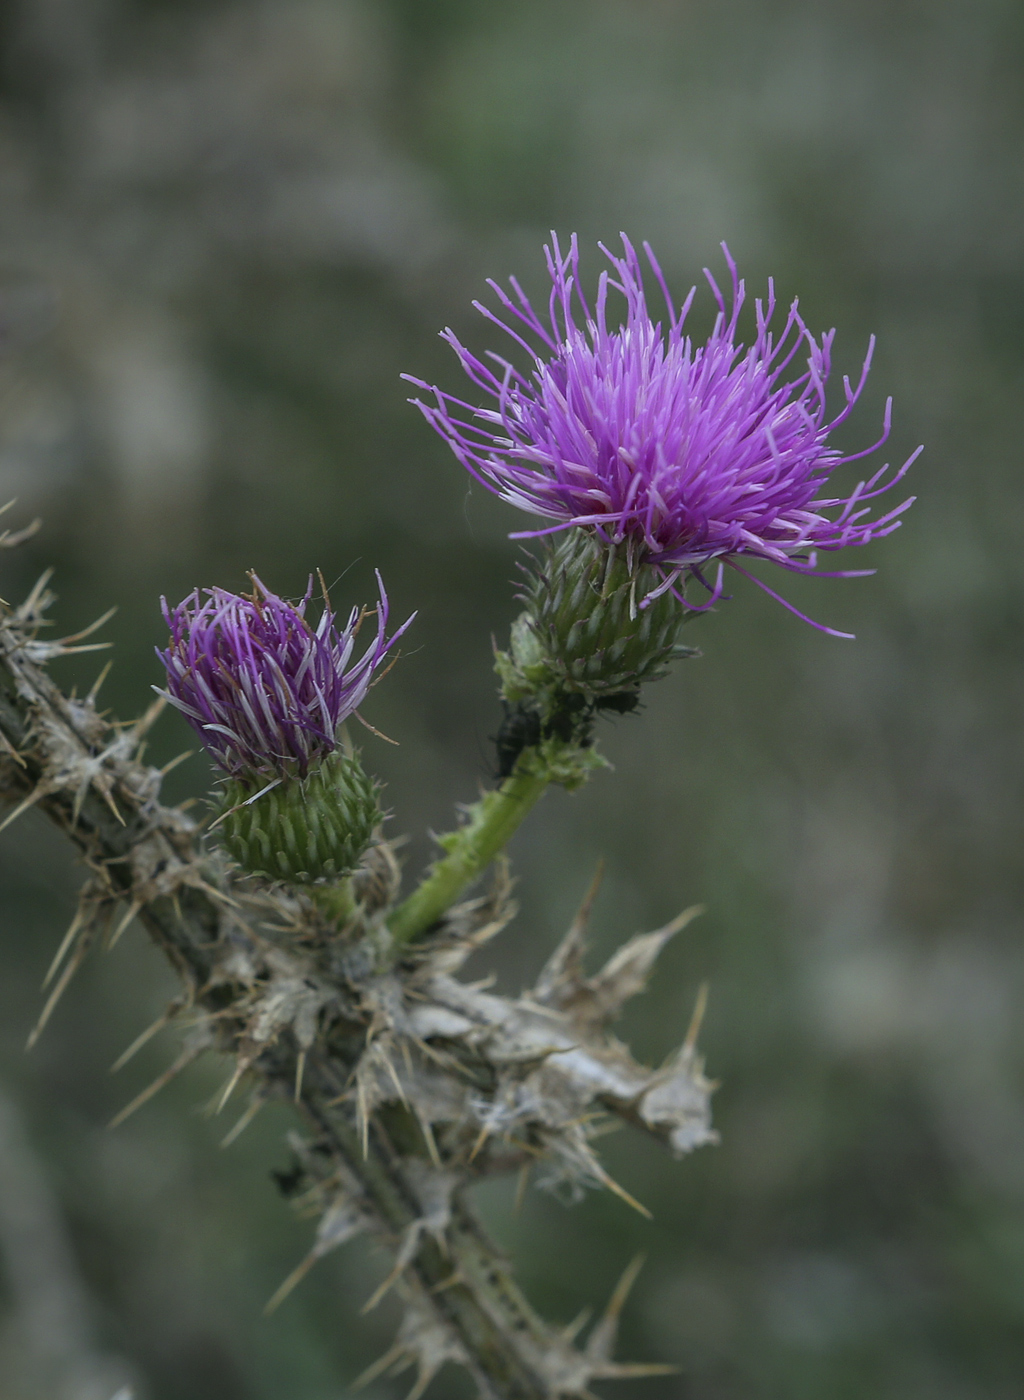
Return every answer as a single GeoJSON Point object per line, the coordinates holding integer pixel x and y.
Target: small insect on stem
{"type": "Point", "coordinates": [520, 729]}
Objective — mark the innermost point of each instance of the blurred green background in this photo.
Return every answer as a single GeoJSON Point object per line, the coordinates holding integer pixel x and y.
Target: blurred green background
{"type": "Point", "coordinates": [225, 229]}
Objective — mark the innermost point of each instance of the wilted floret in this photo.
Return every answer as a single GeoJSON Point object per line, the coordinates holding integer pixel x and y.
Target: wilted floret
{"type": "Point", "coordinates": [678, 454]}
{"type": "Point", "coordinates": [263, 689]}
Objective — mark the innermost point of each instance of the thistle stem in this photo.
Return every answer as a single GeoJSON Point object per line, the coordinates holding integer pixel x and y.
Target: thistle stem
{"type": "Point", "coordinates": [465, 1279]}
{"type": "Point", "coordinates": [336, 901]}
{"type": "Point", "coordinates": [470, 849]}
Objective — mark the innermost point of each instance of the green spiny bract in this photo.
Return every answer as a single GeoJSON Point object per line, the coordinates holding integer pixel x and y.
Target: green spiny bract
{"type": "Point", "coordinates": [583, 630]}
{"type": "Point", "coordinates": [303, 830]}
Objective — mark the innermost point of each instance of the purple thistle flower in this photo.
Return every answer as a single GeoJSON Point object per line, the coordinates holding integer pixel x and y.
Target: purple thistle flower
{"type": "Point", "coordinates": [263, 690]}
{"type": "Point", "coordinates": [680, 454]}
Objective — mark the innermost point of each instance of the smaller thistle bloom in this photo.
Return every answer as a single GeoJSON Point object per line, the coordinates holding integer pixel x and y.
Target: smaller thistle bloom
{"type": "Point", "coordinates": [677, 455]}
{"type": "Point", "coordinates": [262, 688]}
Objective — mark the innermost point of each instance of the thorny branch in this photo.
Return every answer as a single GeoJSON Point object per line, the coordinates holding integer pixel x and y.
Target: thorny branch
{"type": "Point", "coordinates": [412, 1083]}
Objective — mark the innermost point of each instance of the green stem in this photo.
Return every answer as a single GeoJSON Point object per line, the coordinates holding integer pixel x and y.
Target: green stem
{"type": "Point", "coordinates": [336, 901]}
{"type": "Point", "coordinates": [473, 846]}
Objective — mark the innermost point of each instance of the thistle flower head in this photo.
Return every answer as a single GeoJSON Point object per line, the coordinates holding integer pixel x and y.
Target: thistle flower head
{"type": "Point", "coordinates": [677, 454]}
{"type": "Point", "coordinates": [263, 688]}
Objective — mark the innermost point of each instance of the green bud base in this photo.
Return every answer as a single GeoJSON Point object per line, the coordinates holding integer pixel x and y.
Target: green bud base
{"type": "Point", "coordinates": [303, 830]}
{"type": "Point", "coordinates": [583, 629]}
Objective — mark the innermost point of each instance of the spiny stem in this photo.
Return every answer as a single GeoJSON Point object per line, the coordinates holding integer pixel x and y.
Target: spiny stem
{"type": "Point", "coordinates": [480, 1303]}
{"type": "Point", "coordinates": [470, 849]}
{"type": "Point", "coordinates": [468, 1280]}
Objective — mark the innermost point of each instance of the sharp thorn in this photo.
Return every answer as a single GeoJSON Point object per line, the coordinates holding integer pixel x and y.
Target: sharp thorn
{"type": "Point", "coordinates": [214, 893]}
{"type": "Point", "coordinates": [140, 1040]}
{"type": "Point", "coordinates": [622, 1193]}
{"type": "Point", "coordinates": [431, 1141]}
{"type": "Point", "coordinates": [29, 801]}
{"type": "Point", "coordinates": [31, 603]}
{"type": "Point", "coordinates": [109, 800]}
{"type": "Point", "coordinates": [426, 1375]}
{"type": "Point", "coordinates": [362, 1117]}
{"type": "Point", "coordinates": [73, 651]}
{"type": "Point", "coordinates": [292, 1281]}
{"type": "Point", "coordinates": [484, 1134]}
{"type": "Point", "coordinates": [183, 1060]}
{"type": "Point", "coordinates": [624, 1287]}
{"type": "Point", "coordinates": [98, 682]}
{"type": "Point", "coordinates": [9, 748]}
{"type": "Point", "coordinates": [582, 918]}
{"type": "Point", "coordinates": [243, 1122]}
{"type": "Point", "coordinates": [576, 1326]}
{"type": "Point", "coordinates": [148, 718]}
{"type": "Point", "coordinates": [602, 1340]}
{"type": "Point", "coordinates": [130, 913]}
{"type": "Point", "coordinates": [696, 1020]}
{"type": "Point", "coordinates": [175, 761]}
{"type": "Point", "coordinates": [66, 941]}
{"type": "Point", "coordinates": [10, 539]}
{"type": "Point", "coordinates": [57, 993]}
{"type": "Point", "coordinates": [230, 1087]}
{"type": "Point", "coordinates": [394, 1077]}
{"type": "Point", "coordinates": [379, 1366]}
{"type": "Point", "coordinates": [300, 1068]}
{"type": "Point", "coordinates": [680, 921]}
{"type": "Point", "coordinates": [88, 631]}
{"type": "Point", "coordinates": [379, 1293]}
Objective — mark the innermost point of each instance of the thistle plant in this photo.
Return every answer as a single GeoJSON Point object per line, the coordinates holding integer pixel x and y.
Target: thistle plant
{"type": "Point", "coordinates": [655, 462]}
{"type": "Point", "coordinates": [656, 459]}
